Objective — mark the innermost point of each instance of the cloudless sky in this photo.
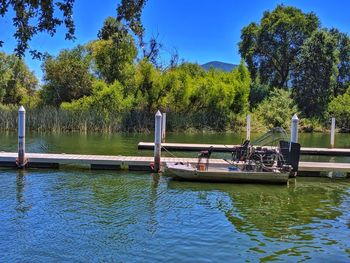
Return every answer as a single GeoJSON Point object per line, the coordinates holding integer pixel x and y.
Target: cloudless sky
{"type": "Point", "coordinates": [200, 30]}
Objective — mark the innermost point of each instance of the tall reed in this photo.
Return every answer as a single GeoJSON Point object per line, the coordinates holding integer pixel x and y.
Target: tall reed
{"type": "Point", "coordinates": [55, 119]}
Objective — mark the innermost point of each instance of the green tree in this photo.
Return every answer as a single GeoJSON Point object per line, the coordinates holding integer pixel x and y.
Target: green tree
{"type": "Point", "coordinates": [67, 77]}
{"type": "Point", "coordinates": [314, 78]}
{"type": "Point", "coordinates": [149, 88]}
{"type": "Point", "coordinates": [258, 92]}
{"type": "Point", "coordinates": [241, 100]}
{"type": "Point", "coordinates": [110, 27]}
{"type": "Point", "coordinates": [114, 54]}
{"type": "Point", "coordinates": [32, 17]}
{"type": "Point", "coordinates": [343, 65]}
{"type": "Point", "coordinates": [129, 16]}
{"type": "Point", "coordinates": [270, 48]}
{"type": "Point", "coordinates": [17, 82]}
{"type": "Point", "coordinates": [129, 13]}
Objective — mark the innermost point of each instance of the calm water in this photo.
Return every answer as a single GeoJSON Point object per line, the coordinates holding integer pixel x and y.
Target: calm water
{"type": "Point", "coordinates": [74, 214]}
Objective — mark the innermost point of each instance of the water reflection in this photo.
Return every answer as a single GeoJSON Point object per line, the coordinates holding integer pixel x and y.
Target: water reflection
{"type": "Point", "coordinates": [292, 220]}
{"type": "Point", "coordinates": [118, 201]}
{"type": "Point", "coordinates": [21, 205]}
{"type": "Point", "coordinates": [38, 145]}
{"type": "Point", "coordinates": [152, 204]}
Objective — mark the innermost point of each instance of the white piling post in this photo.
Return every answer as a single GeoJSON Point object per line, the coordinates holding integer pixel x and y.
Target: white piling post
{"type": "Point", "coordinates": [294, 129]}
{"type": "Point", "coordinates": [163, 126]}
{"type": "Point", "coordinates": [21, 137]}
{"type": "Point", "coordinates": [248, 127]}
{"type": "Point", "coordinates": [157, 140]}
{"type": "Point", "coordinates": [332, 132]}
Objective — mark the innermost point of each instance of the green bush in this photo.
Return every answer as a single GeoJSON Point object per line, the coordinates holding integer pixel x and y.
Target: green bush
{"type": "Point", "coordinates": [339, 108]}
{"type": "Point", "coordinates": [276, 110]}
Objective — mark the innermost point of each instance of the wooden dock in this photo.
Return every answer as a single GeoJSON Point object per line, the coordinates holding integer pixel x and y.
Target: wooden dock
{"type": "Point", "coordinates": [138, 163]}
{"type": "Point", "coordinates": [228, 148]}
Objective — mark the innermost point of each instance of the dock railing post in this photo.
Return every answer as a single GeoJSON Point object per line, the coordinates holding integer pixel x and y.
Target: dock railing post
{"type": "Point", "coordinates": [163, 126]}
{"type": "Point", "coordinates": [332, 132]}
{"type": "Point", "coordinates": [294, 129]}
{"type": "Point", "coordinates": [21, 162]}
{"type": "Point", "coordinates": [157, 140]}
{"type": "Point", "coordinates": [248, 127]}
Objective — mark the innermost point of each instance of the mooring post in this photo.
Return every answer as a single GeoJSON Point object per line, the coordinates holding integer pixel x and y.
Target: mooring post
{"type": "Point", "coordinates": [248, 127]}
{"type": "Point", "coordinates": [163, 126]}
{"type": "Point", "coordinates": [21, 137]}
{"type": "Point", "coordinates": [332, 132]}
{"type": "Point", "coordinates": [294, 129]}
{"type": "Point", "coordinates": [157, 140]}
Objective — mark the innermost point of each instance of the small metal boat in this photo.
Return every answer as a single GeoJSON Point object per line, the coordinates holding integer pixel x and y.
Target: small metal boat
{"type": "Point", "coordinates": [252, 164]}
{"type": "Point", "coordinates": [225, 174]}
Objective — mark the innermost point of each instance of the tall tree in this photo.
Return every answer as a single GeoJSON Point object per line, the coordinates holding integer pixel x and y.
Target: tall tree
{"type": "Point", "coordinates": [16, 80]}
{"type": "Point", "coordinates": [129, 13]}
{"type": "Point", "coordinates": [114, 53]}
{"type": "Point", "coordinates": [66, 77]}
{"type": "Point", "coordinates": [314, 78]}
{"type": "Point", "coordinates": [32, 17]}
{"type": "Point", "coordinates": [343, 46]}
{"type": "Point", "coordinates": [271, 47]}
{"type": "Point", "coordinates": [128, 18]}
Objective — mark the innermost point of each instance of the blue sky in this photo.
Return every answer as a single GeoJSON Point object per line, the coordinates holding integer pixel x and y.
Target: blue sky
{"type": "Point", "coordinates": [200, 30]}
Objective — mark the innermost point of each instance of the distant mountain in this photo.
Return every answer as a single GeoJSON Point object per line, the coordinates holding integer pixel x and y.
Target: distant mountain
{"type": "Point", "coordinates": [219, 65]}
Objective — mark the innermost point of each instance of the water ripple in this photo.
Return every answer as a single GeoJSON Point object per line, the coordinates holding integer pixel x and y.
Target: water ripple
{"type": "Point", "coordinates": [84, 216]}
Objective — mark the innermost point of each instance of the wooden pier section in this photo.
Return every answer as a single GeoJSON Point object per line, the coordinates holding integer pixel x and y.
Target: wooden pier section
{"type": "Point", "coordinates": [228, 148]}
{"type": "Point", "coordinates": [138, 163]}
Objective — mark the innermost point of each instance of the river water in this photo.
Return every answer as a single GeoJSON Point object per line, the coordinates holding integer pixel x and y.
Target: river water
{"type": "Point", "coordinates": [77, 215]}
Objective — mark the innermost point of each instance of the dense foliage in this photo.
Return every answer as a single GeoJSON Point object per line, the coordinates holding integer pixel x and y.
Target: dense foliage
{"type": "Point", "coordinates": [288, 49]}
{"type": "Point", "coordinates": [66, 77]}
{"type": "Point", "coordinates": [271, 47]}
{"type": "Point", "coordinates": [315, 77]}
{"type": "Point", "coordinates": [17, 83]}
{"type": "Point", "coordinates": [187, 90]}
{"type": "Point", "coordinates": [114, 54]}
{"type": "Point", "coordinates": [339, 108]}
{"type": "Point", "coordinates": [276, 110]}
{"type": "Point", "coordinates": [258, 92]}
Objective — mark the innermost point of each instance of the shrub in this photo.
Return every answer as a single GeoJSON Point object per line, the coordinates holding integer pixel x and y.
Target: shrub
{"type": "Point", "coordinates": [339, 108]}
{"type": "Point", "coordinates": [276, 111]}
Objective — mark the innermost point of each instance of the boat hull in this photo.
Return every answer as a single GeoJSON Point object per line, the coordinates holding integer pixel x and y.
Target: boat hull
{"type": "Point", "coordinates": [217, 174]}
